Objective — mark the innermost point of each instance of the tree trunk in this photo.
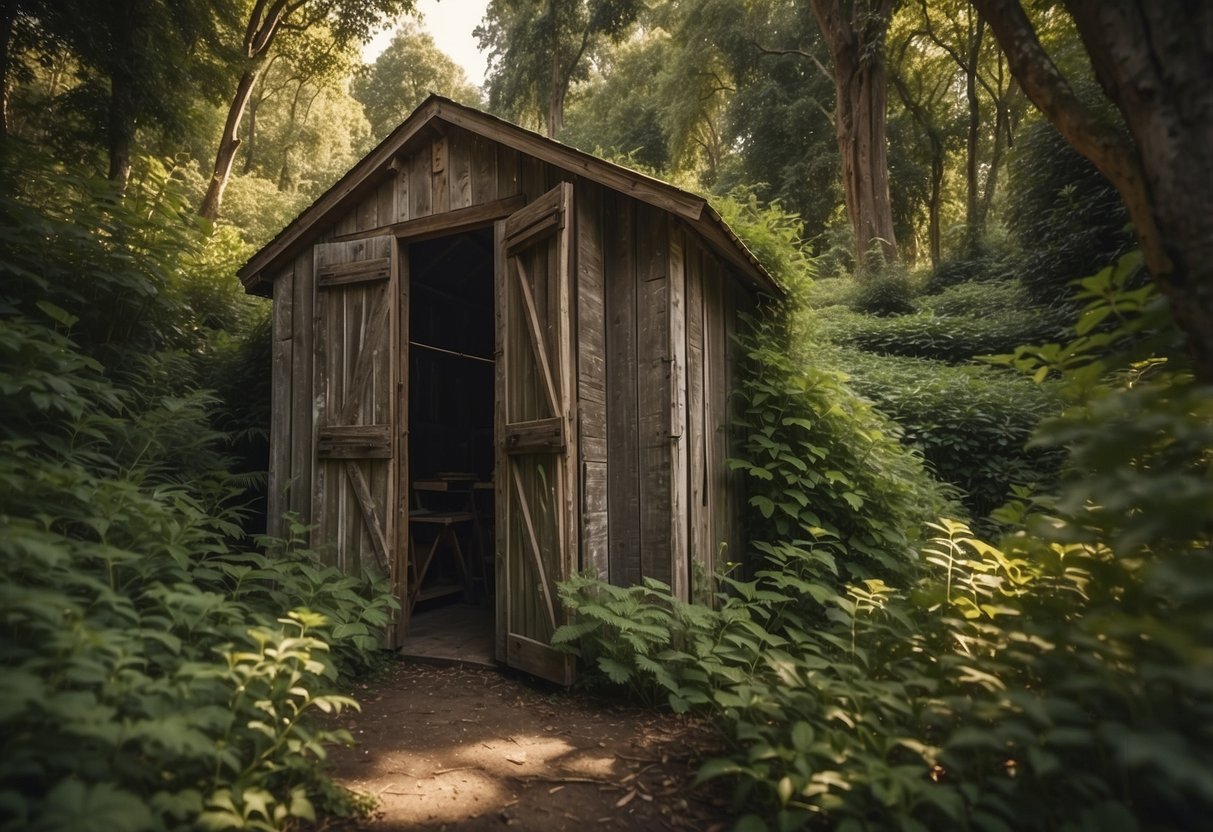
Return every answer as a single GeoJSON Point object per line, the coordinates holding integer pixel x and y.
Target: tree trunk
{"type": "Point", "coordinates": [1153, 60]}
{"type": "Point", "coordinates": [8, 17]}
{"type": "Point", "coordinates": [556, 100]}
{"type": "Point", "coordinates": [120, 129]}
{"type": "Point", "coordinates": [973, 222]}
{"type": "Point", "coordinates": [854, 33]}
{"type": "Point", "coordinates": [228, 144]}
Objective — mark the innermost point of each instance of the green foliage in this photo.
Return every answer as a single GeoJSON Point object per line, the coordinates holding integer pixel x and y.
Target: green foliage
{"type": "Point", "coordinates": [403, 75]}
{"type": "Point", "coordinates": [975, 299]}
{"type": "Point", "coordinates": [951, 339]}
{"type": "Point", "coordinates": [1066, 216]}
{"type": "Point", "coordinates": [823, 468]}
{"type": "Point", "coordinates": [882, 289]}
{"type": "Point", "coordinates": [971, 424]}
{"type": "Point", "coordinates": [156, 676]}
{"type": "Point", "coordinates": [979, 263]}
{"type": "Point", "coordinates": [1057, 680]}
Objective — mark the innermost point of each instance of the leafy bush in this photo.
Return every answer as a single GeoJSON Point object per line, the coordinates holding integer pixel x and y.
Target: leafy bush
{"type": "Point", "coordinates": [882, 288]}
{"type": "Point", "coordinates": [1058, 680]}
{"type": "Point", "coordinates": [985, 262]}
{"type": "Point", "coordinates": [971, 424]}
{"type": "Point", "coordinates": [952, 339]}
{"type": "Point", "coordinates": [976, 299]}
{"type": "Point", "coordinates": [823, 467]}
{"type": "Point", "coordinates": [155, 675]}
{"type": "Point", "coordinates": [1068, 219]}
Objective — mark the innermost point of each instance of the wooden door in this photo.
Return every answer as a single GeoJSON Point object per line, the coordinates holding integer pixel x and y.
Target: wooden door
{"type": "Point", "coordinates": [537, 532]}
{"type": "Point", "coordinates": [355, 406]}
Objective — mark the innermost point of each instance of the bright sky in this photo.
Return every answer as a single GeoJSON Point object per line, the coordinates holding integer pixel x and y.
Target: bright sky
{"type": "Point", "coordinates": [450, 23]}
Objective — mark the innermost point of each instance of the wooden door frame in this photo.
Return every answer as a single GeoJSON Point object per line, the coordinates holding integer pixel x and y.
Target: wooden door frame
{"type": "Point", "coordinates": [489, 216]}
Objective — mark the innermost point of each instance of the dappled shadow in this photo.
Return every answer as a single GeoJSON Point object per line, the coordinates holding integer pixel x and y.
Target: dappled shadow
{"type": "Point", "coordinates": [469, 749]}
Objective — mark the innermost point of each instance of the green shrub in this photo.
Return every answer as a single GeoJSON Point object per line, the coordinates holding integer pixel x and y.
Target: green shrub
{"type": "Point", "coordinates": [953, 339]}
{"type": "Point", "coordinates": [156, 676]}
{"type": "Point", "coordinates": [1067, 218]}
{"type": "Point", "coordinates": [823, 467]}
{"type": "Point", "coordinates": [984, 263]}
{"type": "Point", "coordinates": [1058, 680]}
{"type": "Point", "coordinates": [970, 299]}
{"type": "Point", "coordinates": [971, 424]}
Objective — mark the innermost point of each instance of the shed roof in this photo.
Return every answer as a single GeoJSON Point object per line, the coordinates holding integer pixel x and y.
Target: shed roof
{"type": "Point", "coordinates": [693, 209]}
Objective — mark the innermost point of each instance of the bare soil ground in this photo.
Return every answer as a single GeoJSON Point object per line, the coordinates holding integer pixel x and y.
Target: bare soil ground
{"type": "Point", "coordinates": [459, 748]}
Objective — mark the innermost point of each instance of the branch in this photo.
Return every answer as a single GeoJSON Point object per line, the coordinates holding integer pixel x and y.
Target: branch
{"type": "Point", "coordinates": [1108, 149]}
{"type": "Point", "coordinates": [822, 68]}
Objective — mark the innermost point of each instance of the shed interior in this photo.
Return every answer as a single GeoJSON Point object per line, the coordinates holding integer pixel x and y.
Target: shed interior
{"type": "Point", "coordinates": [451, 451]}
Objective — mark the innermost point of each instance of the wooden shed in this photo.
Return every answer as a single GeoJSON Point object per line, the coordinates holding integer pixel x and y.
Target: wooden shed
{"type": "Point", "coordinates": [498, 361]}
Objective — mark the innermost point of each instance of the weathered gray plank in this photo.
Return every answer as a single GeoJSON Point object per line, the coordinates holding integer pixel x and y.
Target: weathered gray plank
{"type": "Point", "coordinates": [421, 182]}
{"type": "Point", "coordinates": [301, 393]}
{"type": "Point", "coordinates": [440, 155]}
{"type": "Point", "coordinates": [653, 392]}
{"type": "Point", "coordinates": [591, 378]}
{"type": "Point", "coordinates": [507, 172]}
{"type": "Point", "coordinates": [281, 396]}
{"type": "Point", "coordinates": [699, 508]}
{"type": "Point", "coordinates": [623, 475]}
{"type": "Point", "coordinates": [401, 167]}
{"type": "Point", "coordinates": [678, 440]}
{"type": "Point", "coordinates": [483, 170]}
{"type": "Point", "coordinates": [459, 169]}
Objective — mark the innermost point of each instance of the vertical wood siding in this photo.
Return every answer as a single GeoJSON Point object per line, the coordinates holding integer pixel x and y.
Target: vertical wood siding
{"type": "Point", "coordinates": [655, 310]}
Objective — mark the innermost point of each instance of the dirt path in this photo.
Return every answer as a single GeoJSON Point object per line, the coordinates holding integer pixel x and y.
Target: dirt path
{"type": "Point", "coordinates": [455, 748]}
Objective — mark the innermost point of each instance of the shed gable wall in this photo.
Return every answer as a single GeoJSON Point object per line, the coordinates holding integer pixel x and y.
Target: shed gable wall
{"type": "Point", "coordinates": [655, 310]}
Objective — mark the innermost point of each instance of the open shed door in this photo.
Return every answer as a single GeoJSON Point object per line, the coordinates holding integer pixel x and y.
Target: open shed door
{"type": "Point", "coordinates": [535, 475]}
{"type": "Point", "coordinates": [354, 402]}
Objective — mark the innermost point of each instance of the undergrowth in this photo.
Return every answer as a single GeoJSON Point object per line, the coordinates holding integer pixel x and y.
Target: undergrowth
{"type": "Point", "coordinates": [159, 672]}
{"type": "Point", "coordinates": [1058, 678]}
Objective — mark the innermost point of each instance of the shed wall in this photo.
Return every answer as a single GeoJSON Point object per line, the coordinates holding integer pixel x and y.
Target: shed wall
{"type": "Point", "coordinates": [655, 310]}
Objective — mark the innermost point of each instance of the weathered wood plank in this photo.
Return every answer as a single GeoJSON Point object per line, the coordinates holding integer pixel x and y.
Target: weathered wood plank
{"type": "Point", "coordinates": [500, 379]}
{"type": "Point", "coordinates": [368, 212]}
{"type": "Point", "coordinates": [281, 385]}
{"type": "Point", "coordinates": [507, 172]}
{"type": "Point", "coordinates": [386, 198]}
{"type": "Point", "coordinates": [459, 170]}
{"type": "Point", "coordinates": [421, 182]}
{"type": "Point", "coordinates": [452, 222]}
{"type": "Point", "coordinates": [363, 271]}
{"type": "Point", "coordinates": [400, 348]}
{"type": "Point", "coordinates": [623, 475]}
{"type": "Point", "coordinates": [590, 324]}
{"type": "Point", "coordinates": [355, 442]}
{"type": "Point", "coordinates": [699, 507]}
{"type": "Point", "coordinates": [483, 170]}
{"type": "Point", "coordinates": [441, 199]}
{"type": "Point", "coordinates": [302, 452]}
{"type": "Point", "coordinates": [401, 166]}
{"type": "Point", "coordinates": [678, 440]}
{"type": "Point", "coordinates": [653, 392]}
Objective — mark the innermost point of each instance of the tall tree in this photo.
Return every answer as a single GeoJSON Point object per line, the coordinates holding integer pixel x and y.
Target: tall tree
{"type": "Point", "coordinates": [135, 60]}
{"type": "Point", "coordinates": [854, 31]}
{"type": "Point", "coordinates": [1154, 59]}
{"type": "Point", "coordinates": [348, 21]}
{"type": "Point", "coordinates": [537, 48]}
{"type": "Point", "coordinates": [402, 76]}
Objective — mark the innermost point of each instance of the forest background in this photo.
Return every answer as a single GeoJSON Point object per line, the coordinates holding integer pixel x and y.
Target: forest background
{"type": "Point", "coordinates": [978, 591]}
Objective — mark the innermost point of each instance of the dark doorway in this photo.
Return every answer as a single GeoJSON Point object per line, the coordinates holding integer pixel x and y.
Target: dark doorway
{"type": "Point", "coordinates": [451, 449]}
